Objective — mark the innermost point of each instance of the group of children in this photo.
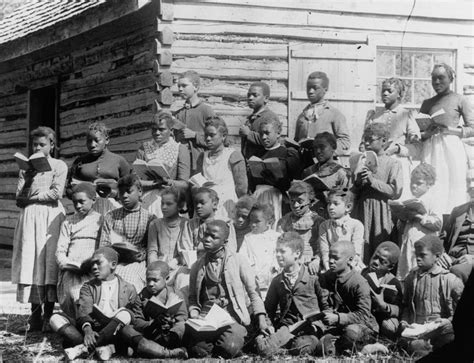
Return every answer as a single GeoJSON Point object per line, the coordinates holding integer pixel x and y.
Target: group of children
{"type": "Point", "coordinates": [297, 267]}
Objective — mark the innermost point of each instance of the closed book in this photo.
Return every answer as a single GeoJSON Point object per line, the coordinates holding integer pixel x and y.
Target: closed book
{"type": "Point", "coordinates": [407, 209]}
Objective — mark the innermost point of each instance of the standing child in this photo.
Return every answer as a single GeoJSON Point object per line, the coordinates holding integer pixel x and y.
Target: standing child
{"type": "Point", "coordinates": [341, 227]}
{"type": "Point", "coordinates": [259, 246]}
{"type": "Point", "coordinates": [304, 221]}
{"type": "Point", "coordinates": [373, 190]}
{"type": "Point", "coordinates": [34, 266]}
{"type": "Point", "coordinates": [387, 303]}
{"type": "Point", "coordinates": [77, 242]}
{"type": "Point", "coordinates": [423, 177]}
{"type": "Point", "coordinates": [257, 99]}
{"type": "Point", "coordinates": [192, 115]}
{"type": "Point", "coordinates": [241, 218]}
{"type": "Point", "coordinates": [127, 229]}
{"type": "Point", "coordinates": [431, 294]}
{"type": "Point", "coordinates": [222, 166]}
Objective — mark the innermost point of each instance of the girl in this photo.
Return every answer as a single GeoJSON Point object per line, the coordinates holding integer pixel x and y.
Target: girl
{"type": "Point", "coordinates": [77, 242]}
{"type": "Point", "coordinates": [423, 177]}
{"type": "Point", "coordinates": [174, 156]}
{"type": "Point", "coordinates": [325, 168]}
{"type": "Point", "coordinates": [442, 146]}
{"type": "Point", "coordinates": [241, 218]}
{"type": "Point", "coordinates": [99, 163]}
{"type": "Point", "coordinates": [34, 266]}
{"type": "Point", "coordinates": [223, 166]}
{"type": "Point", "coordinates": [259, 246]}
{"type": "Point", "coordinates": [304, 221]}
{"type": "Point", "coordinates": [373, 190]}
{"type": "Point", "coordinates": [404, 139]}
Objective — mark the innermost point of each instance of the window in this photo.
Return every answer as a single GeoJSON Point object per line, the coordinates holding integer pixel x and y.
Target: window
{"type": "Point", "coordinates": [414, 67]}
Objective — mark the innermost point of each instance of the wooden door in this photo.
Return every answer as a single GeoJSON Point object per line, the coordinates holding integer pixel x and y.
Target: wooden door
{"type": "Point", "coordinates": [352, 85]}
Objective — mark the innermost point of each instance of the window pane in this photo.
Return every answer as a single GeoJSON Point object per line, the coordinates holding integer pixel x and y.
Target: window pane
{"type": "Point", "coordinates": [443, 58]}
{"type": "Point", "coordinates": [423, 65]}
{"type": "Point", "coordinates": [423, 90]}
{"type": "Point", "coordinates": [407, 98]}
{"type": "Point", "coordinates": [385, 64]}
{"type": "Point", "coordinates": [403, 64]}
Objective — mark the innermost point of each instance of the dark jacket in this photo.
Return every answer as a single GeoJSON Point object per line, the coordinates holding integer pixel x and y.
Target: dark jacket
{"type": "Point", "coordinates": [454, 226]}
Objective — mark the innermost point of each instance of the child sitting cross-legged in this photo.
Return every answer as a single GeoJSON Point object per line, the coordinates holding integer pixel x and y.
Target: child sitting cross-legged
{"type": "Point", "coordinates": [294, 292]}
{"type": "Point", "coordinates": [223, 278]}
{"type": "Point", "coordinates": [259, 246]}
{"type": "Point", "coordinates": [387, 293]}
{"type": "Point", "coordinates": [106, 304]}
{"type": "Point", "coordinates": [431, 294]}
{"type": "Point", "coordinates": [158, 330]}
{"type": "Point", "coordinates": [241, 218]}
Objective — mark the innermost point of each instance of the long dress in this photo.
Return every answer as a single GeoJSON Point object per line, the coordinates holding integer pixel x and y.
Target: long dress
{"type": "Point", "coordinates": [77, 242]}
{"type": "Point", "coordinates": [404, 132]}
{"type": "Point", "coordinates": [446, 153]}
{"type": "Point", "coordinates": [34, 266]}
{"type": "Point", "coordinates": [176, 160]}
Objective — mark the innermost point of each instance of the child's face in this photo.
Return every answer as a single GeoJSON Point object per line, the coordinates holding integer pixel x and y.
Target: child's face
{"type": "Point", "coordinates": [213, 239]}
{"type": "Point", "coordinates": [425, 259]}
{"type": "Point", "coordinates": [269, 135]}
{"type": "Point", "coordinates": [258, 222]}
{"type": "Point", "coordinates": [315, 90]}
{"type": "Point", "coordinates": [241, 219]}
{"type": "Point", "coordinates": [374, 143]}
{"type": "Point", "coordinates": [418, 186]}
{"type": "Point", "coordinates": [96, 142]}
{"type": "Point", "coordinates": [186, 88]}
{"type": "Point", "coordinates": [82, 203]}
{"type": "Point", "coordinates": [155, 283]}
{"type": "Point", "coordinates": [299, 204]}
{"type": "Point", "coordinates": [102, 268]}
{"type": "Point", "coordinates": [390, 95]}
{"type": "Point", "coordinates": [337, 207]}
{"type": "Point", "coordinates": [255, 98]}
{"type": "Point", "coordinates": [160, 132]}
{"type": "Point", "coordinates": [285, 256]}
{"type": "Point", "coordinates": [204, 206]}
{"type": "Point", "coordinates": [322, 151]}
{"type": "Point", "coordinates": [130, 196]}
{"type": "Point", "coordinates": [339, 259]}
{"type": "Point", "coordinates": [380, 262]}
{"type": "Point", "coordinates": [213, 137]}
{"type": "Point", "coordinates": [42, 144]}
{"type": "Point", "coordinates": [169, 206]}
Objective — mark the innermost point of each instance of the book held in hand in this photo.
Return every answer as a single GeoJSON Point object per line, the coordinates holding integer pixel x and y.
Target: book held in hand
{"type": "Point", "coordinates": [308, 318]}
{"type": "Point", "coordinates": [189, 257]}
{"type": "Point", "coordinates": [407, 209]}
{"type": "Point", "coordinates": [155, 306]}
{"type": "Point", "coordinates": [358, 161]}
{"type": "Point", "coordinates": [306, 143]}
{"type": "Point", "coordinates": [38, 161]}
{"type": "Point", "coordinates": [424, 120]}
{"type": "Point", "coordinates": [415, 330]}
{"type": "Point", "coordinates": [376, 286]}
{"type": "Point", "coordinates": [199, 180]}
{"type": "Point", "coordinates": [258, 165]}
{"type": "Point", "coordinates": [215, 319]}
{"type": "Point", "coordinates": [316, 182]}
{"type": "Point", "coordinates": [151, 170]}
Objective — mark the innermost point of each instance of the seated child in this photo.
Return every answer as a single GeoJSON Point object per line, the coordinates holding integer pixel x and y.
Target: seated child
{"type": "Point", "coordinates": [431, 294]}
{"type": "Point", "coordinates": [259, 246]}
{"type": "Point", "coordinates": [341, 226]}
{"type": "Point", "coordinates": [423, 178]}
{"type": "Point", "coordinates": [76, 244]}
{"type": "Point", "coordinates": [333, 174]}
{"type": "Point", "coordinates": [386, 304]}
{"type": "Point", "coordinates": [294, 292]}
{"type": "Point", "coordinates": [224, 278]}
{"type": "Point", "coordinates": [351, 320]}
{"type": "Point", "coordinates": [241, 218]}
{"type": "Point", "coordinates": [106, 304]}
{"type": "Point", "coordinates": [303, 221]}
{"type": "Point", "coordinates": [129, 224]}
{"type": "Point", "coordinates": [157, 332]}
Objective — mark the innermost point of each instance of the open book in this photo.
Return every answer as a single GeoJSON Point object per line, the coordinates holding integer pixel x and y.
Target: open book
{"type": "Point", "coordinates": [258, 165]}
{"type": "Point", "coordinates": [316, 182]}
{"type": "Point", "coordinates": [72, 265]}
{"type": "Point", "coordinates": [376, 286]}
{"type": "Point", "coordinates": [418, 330]}
{"type": "Point", "coordinates": [146, 171]}
{"type": "Point", "coordinates": [199, 180]}
{"type": "Point", "coordinates": [308, 318]}
{"type": "Point", "coordinates": [406, 209]}
{"type": "Point", "coordinates": [215, 319]}
{"type": "Point", "coordinates": [38, 161]}
{"type": "Point", "coordinates": [306, 143]}
{"type": "Point", "coordinates": [358, 160]}
{"type": "Point", "coordinates": [155, 306]}
{"type": "Point", "coordinates": [424, 120]}
{"type": "Point", "coordinates": [189, 257]}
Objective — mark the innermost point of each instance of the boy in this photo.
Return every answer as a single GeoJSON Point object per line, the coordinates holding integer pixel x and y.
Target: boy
{"type": "Point", "coordinates": [106, 304]}
{"type": "Point", "coordinates": [192, 115]}
{"type": "Point", "coordinates": [224, 278]}
{"type": "Point", "coordinates": [386, 304]}
{"type": "Point", "coordinates": [351, 319]}
{"type": "Point", "coordinates": [319, 116]}
{"type": "Point", "coordinates": [257, 99]}
{"type": "Point", "coordinates": [241, 218]}
{"type": "Point", "coordinates": [157, 332]}
{"type": "Point", "coordinates": [431, 293]}
{"type": "Point", "coordinates": [128, 226]}
{"type": "Point", "coordinates": [294, 292]}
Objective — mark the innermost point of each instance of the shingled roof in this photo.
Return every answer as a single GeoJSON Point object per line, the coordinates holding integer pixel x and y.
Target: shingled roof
{"type": "Point", "coordinates": [35, 15]}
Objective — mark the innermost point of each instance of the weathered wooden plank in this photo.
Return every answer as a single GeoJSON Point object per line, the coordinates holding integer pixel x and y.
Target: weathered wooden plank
{"type": "Point", "coordinates": [7, 153]}
{"type": "Point", "coordinates": [16, 124]}
{"type": "Point", "coordinates": [339, 96]}
{"type": "Point", "coordinates": [6, 236]}
{"type": "Point", "coordinates": [8, 219]}
{"type": "Point", "coordinates": [8, 205]}
{"type": "Point", "coordinates": [16, 109]}
{"type": "Point", "coordinates": [13, 137]}
{"type": "Point", "coordinates": [360, 53]}
{"type": "Point", "coordinates": [8, 168]}
{"type": "Point", "coordinates": [8, 186]}
{"type": "Point", "coordinates": [13, 99]}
